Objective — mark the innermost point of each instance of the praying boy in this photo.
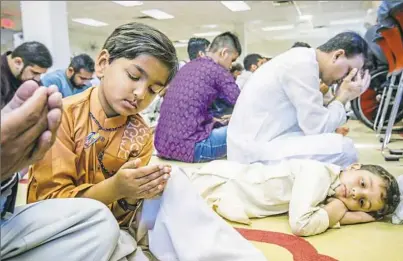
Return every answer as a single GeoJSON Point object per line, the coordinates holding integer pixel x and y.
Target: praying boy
{"type": "Point", "coordinates": [103, 145]}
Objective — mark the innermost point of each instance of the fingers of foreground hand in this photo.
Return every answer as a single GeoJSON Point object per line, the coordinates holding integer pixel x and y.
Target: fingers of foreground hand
{"type": "Point", "coordinates": [26, 116]}
{"type": "Point", "coordinates": [55, 100]}
{"type": "Point", "coordinates": [44, 143]}
{"type": "Point", "coordinates": [54, 119]}
{"type": "Point", "coordinates": [23, 93]}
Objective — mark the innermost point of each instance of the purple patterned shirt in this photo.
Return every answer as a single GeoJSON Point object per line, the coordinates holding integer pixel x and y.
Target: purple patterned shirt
{"type": "Point", "coordinates": [184, 116]}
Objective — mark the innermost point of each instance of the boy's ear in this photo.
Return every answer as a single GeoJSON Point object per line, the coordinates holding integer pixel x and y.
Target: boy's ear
{"type": "Point", "coordinates": [102, 63]}
{"type": "Point", "coordinates": [355, 166]}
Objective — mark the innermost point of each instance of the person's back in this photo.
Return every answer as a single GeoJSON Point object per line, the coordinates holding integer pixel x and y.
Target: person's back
{"type": "Point", "coordinates": [187, 130]}
{"type": "Point", "coordinates": [184, 115]}
{"type": "Point", "coordinates": [273, 109]}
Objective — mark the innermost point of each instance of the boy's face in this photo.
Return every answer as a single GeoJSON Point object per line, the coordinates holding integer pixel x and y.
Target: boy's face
{"type": "Point", "coordinates": [361, 190]}
{"type": "Point", "coordinates": [129, 86]}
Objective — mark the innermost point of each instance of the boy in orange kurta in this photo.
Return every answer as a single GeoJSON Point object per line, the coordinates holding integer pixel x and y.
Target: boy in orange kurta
{"type": "Point", "coordinates": [103, 145]}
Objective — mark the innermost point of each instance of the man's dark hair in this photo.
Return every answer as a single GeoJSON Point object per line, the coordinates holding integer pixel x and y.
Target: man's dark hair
{"type": "Point", "coordinates": [236, 67]}
{"type": "Point", "coordinates": [82, 61]}
{"type": "Point", "coordinates": [195, 45]}
{"type": "Point", "coordinates": [352, 44]}
{"type": "Point", "coordinates": [392, 196]}
{"type": "Point", "coordinates": [251, 59]}
{"type": "Point", "coordinates": [33, 53]}
{"type": "Point", "coordinates": [228, 40]}
{"type": "Point", "coordinates": [300, 44]}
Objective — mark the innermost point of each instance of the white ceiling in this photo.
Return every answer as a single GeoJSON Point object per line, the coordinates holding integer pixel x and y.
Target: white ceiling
{"type": "Point", "coordinates": [191, 16]}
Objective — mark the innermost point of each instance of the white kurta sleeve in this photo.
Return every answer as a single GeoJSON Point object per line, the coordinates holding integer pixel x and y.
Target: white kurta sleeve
{"type": "Point", "coordinates": [301, 85]}
{"type": "Point", "coordinates": [311, 185]}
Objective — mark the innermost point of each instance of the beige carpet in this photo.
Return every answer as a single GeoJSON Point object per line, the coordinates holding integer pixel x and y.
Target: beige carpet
{"type": "Point", "coordinates": [380, 241]}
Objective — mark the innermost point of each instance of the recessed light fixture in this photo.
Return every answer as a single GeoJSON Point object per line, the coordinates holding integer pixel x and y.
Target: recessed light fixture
{"type": "Point", "coordinates": [180, 45]}
{"type": "Point", "coordinates": [236, 6]}
{"type": "Point", "coordinates": [157, 14]}
{"type": "Point", "coordinates": [128, 3]}
{"type": "Point", "coordinates": [346, 21]}
{"type": "Point", "coordinates": [211, 26]}
{"type": "Point", "coordinates": [89, 21]}
{"type": "Point", "coordinates": [278, 28]}
{"type": "Point", "coordinates": [213, 33]}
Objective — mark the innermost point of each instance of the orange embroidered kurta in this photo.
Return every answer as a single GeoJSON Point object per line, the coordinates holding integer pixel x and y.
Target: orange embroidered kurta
{"type": "Point", "coordinates": [69, 168]}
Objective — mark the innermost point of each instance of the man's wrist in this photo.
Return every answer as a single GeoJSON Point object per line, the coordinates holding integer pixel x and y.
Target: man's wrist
{"type": "Point", "coordinates": [341, 99]}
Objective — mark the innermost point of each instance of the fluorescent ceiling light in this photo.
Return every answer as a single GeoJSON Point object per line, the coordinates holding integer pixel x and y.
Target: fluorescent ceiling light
{"type": "Point", "coordinates": [128, 3]}
{"type": "Point", "coordinates": [179, 45]}
{"type": "Point", "coordinates": [157, 14]}
{"type": "Point", "coordinates": [183, 41]}
{"type": "Point", "coordinates": [214, 33]}
{"type": "Point", "coordinates": [236, 6]}
{"type": "Point", "coordinates": [278, 28]}
{"type": "Point", "coordinates": [347, 21]}
{"type": "Point", "coordinates": [90, 22]}
{"type": "Point", "coordinates": [211, 26]}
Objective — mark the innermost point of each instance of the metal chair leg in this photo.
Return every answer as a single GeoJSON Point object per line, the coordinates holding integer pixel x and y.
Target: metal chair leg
{"type": "Point", "coordinates": [378, 113]}
{"type": "Point", "coordinates": [393, 114]}
{"type": "Point", "coordinates": [386, 105]}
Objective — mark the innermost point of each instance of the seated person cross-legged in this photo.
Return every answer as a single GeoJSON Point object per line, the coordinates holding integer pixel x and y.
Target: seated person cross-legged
{"type": "Point", "coordinates": [316, 195]}
{"type": "Point", "coordinates": [186, 130]}
{"type": "Point", "coordinates": [280, 113]}
{"type": "Point", "coordinates": [101, 151]}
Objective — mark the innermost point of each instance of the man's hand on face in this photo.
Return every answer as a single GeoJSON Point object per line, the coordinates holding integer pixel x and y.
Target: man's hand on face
{"type": "Point", "coordinates": [28, 126]}
{"type": "Point", "coordinates": [353, 86]}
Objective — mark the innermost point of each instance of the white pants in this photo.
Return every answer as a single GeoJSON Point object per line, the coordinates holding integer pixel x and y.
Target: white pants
{"type": "Point", "coordinates": [60, 229]}
{"type": "Point", "coordinates": [181, 228]}
{"type": "Point", "coordinates": [345, 157]}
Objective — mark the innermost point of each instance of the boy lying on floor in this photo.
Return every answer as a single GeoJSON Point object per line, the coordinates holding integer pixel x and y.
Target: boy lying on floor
{"type": "Point", "coordinates": [316, 195]}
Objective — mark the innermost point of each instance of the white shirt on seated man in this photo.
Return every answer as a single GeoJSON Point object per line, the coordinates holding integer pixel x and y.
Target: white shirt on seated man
{"type": "Point", "coordinates": [280, 112]}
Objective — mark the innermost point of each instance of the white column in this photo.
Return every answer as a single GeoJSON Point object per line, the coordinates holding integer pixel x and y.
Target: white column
{"type": "Point", "coordinates": [241, 31]}
{"type": "Point", "coordinates": [46, 22]}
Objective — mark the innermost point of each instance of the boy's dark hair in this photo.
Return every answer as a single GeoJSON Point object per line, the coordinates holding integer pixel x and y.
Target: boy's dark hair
{"type": "Point", "coordinates": [300, 44]}
{"type": "Point", "coordinates": [228, 40]}
{"type": "Point", "coordinates": [33, 53]}
{"type": "Point", "coordinates": [195, 45]}
{"type": "Point", "coordinates": [352, 44]}
{"type": "Point", "coordinates": [392, 197]}
{"type": "Point", "coordinates": [251, 59]}
{"type": "Point", "coordinates": [134, 39]}
{"type": "Point", "coordinates": [236, 67]}
{"type": "Point", "coordinates": [82, 61]}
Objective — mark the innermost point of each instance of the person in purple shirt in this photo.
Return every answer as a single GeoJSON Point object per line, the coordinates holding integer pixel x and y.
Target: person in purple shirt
{"type": "Point", "coordinates": [187, 130]}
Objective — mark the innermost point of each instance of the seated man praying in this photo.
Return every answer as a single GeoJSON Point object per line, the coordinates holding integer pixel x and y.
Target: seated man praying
{"type": "Point", "coordinates": [280, 113]}
{"type": "Point", "coordinates": [186, 130]}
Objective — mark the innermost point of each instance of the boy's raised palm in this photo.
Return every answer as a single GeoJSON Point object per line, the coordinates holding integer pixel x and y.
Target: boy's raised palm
{"type": "Point", "coordinates": [135, 182]}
